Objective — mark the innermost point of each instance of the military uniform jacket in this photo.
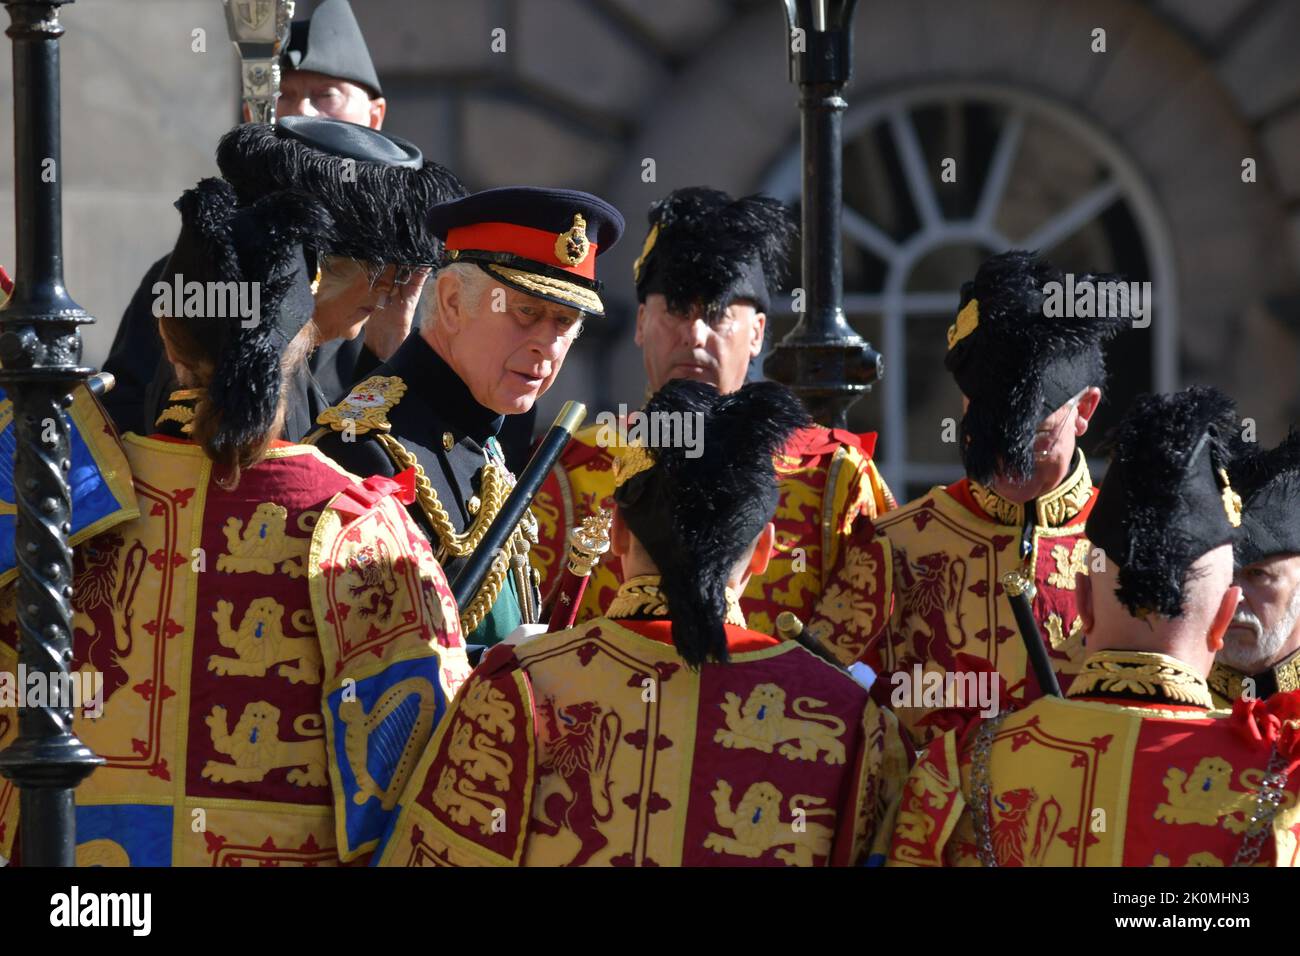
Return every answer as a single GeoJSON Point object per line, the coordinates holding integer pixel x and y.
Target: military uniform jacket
{"type": "Point", "coordinates": [416, 399]}
{"type": "Point", "coordinates": [597, 746]}
{"type": "Point", "coordinates": [932, 572]}
{"type": "Point", "coordinates": [1227, 684]}
{"type": "Point", "coordinates": [1132, 770]}
{"type": "Point", "coordinates": [827, 479]}
{"type": "Point", "coordinates": [274, 660]}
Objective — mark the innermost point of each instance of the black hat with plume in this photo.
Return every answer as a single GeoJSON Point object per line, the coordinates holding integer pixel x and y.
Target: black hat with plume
{"type": "Point", "coordinates": [1166, 499]}
{"type": "Point", "coordinates": [1016, 363]}
{"type": "Point", "coordinates": [697, 510]}
{"type": "Point", "coordinates": [263, 250]}
{"type": "Point", "coordinates": [706, 248]}
{"type": "Point", "coordinates": [378, 188]}
{"type": "Point", "coordinates": [1269, 483]}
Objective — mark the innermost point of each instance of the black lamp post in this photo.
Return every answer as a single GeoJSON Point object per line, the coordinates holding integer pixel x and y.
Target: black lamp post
{"type": "Point", "coordinates": [822, 358]}
{"type": "Point", "coordinates": [40, 350]}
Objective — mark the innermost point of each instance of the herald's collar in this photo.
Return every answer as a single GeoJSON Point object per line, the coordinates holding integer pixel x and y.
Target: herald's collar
{"type": "Point", "coordinates": [433, 385]}
{"type": "Point", "coordinates": [640, 597]}
{"type": "Point", "coordinates": [1141, 676]}
{"type": "Point", "coordinates": [1229, 683]}
{"type": "Point", "coordinates": [1060, 506]}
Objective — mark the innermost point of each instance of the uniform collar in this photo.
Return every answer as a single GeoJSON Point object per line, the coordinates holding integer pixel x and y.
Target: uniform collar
{"type": "Point", "coordinates": [1141, 677]}
{"type": "Point", "coordinates": [433, 385]}
{"type": "Point", "coordinates": [1060, 506]}
{"type": "Point", "coordinates": [176, 420]}
{"type": "Point", "coordinates": [639, 597]}
{"type": "Point", "coordinates": [1283, 676]}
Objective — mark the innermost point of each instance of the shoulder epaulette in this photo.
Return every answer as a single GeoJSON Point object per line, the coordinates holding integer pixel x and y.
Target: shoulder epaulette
{"type": "Point", "coordinates": [366, 407]}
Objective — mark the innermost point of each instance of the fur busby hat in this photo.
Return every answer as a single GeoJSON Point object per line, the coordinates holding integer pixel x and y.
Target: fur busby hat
{"type": "Point", "coordinates": [706, 248]}
{"type": "Point", "coordinates": [378, 188]}
{"type": "Point", "coordinates": [1166, 499]}
{"type": "Point", "coordinates": [1016, 364]}
{"type": "Point", "coordinates": [1269, 483]}
{"type": "Point", "coordinates": [329, 41]}
{"type": "Point", "coordinates": [265, 248]}
{"type": "Point", "coordinates": [697, 516]}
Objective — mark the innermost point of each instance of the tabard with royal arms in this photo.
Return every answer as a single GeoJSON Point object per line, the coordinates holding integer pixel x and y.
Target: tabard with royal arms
{"type": "Point", "coordinates": [827, 479]}
{"type": "Point", "coordinates": [940, 560]}
{"type": "Point", "coordinates": [274, 658]}
{"type": "Point", "coordinates": [598, 746]}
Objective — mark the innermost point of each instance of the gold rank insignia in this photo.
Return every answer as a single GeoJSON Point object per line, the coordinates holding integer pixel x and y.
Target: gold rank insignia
{"type": "Point", "coordinates": [968, 320]}
{"type": "Point", "coordinates": [572, 245]}
{"type": "Point", "coordinates": [366, 407]}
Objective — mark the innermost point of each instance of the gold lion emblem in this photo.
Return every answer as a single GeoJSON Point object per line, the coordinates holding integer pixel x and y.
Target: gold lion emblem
{"type": "Point", "coordinates": [761, 724]}
{"type": "Point", "coordinates": [1206, 796]}
{"type": "Point", "coordinates": [256, 748]}
{"type": "Point", "coordinates": [262, 544]}
{"type": "Point", "coordinates": [488, 707]}
{"type": "Point", "coordinates": [259, 643]}
{"type": "Point", "coordinates": [465, 805]}
{"type": "Point", "coordinates": [476, 756]}
{"type": "Point", "coordinates": [572, 245]}
{"type": "Point", "coordinates": [756, 825]}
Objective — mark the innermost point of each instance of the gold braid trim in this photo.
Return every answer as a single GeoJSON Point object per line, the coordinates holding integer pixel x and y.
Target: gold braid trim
{"type": "Point", "coordinates": [1141, 674]}
{"type": "Point", "coordinates": [450, 542]}
{"type": "Point", "coordinates": [640, 596]}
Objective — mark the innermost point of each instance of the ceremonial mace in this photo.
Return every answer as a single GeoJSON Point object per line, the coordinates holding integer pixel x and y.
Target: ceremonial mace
{"type": "Point", "coordinates": [40, 351]}
{"type": "Point", "coordinates": [260, 31]}
{"type": "Point", "coordinates": [1020, 590]}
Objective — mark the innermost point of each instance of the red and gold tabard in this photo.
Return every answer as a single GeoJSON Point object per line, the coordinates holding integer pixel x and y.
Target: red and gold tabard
{"type": "Point", "coordinates": [274, 660]}
{"type": "Point", "coordinates": [940, 560]}
{"type": "Point", "coordinates": [827, 479]}
{"type": "Point", "coordinates": [1132, 770]}
{"type": "Point", "coordinates": [597, 746]}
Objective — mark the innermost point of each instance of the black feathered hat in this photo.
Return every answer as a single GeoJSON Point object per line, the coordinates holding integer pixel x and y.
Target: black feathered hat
{"type": "Point", "coordinates": [706, 248]}
{"type": "Point", "coordinates": [1269, 484]}
{"type": "Point", "coordinates": [1015, 363]}
{"type": "Point", "coordinates": [696, 516]}
{"type": "Point", "coordinates": [329, 41]}
{"type": "Point", "coordinates": [1166, 499]}
{"type": "Point", "coordinates": [378, 188]}
{"type": "Point", "coordinates": [265, 248]}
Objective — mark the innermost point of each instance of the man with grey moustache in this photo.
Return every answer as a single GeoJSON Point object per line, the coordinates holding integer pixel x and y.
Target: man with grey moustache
{"type": "Point", "coordinates": [1261, 651]}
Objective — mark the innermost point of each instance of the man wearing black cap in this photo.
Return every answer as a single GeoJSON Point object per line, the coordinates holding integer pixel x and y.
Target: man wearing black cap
{"type": "Point", "coordinates": [704, 281]}
{"type": "Point", "coordinates": [1030, 384]}
{"type": "Point", "coordinates": [665, 733]}
{"type": "Point", "coordinates": [1261, 652]}
{"type": "Point", "coordinates": [1133, 768]}
{"type": "Point", "coordinates": [498, 323]}
{"type": "Point", "coordinates": [377, 188]}
{"type": "Point", "coordinates": [337, 81]}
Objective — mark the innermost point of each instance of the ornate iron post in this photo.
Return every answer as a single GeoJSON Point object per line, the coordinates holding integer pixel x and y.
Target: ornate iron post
{"type": "Point", "coordinates": [822, 358]}
{"type": "Point", "coordinates": [40, 350]}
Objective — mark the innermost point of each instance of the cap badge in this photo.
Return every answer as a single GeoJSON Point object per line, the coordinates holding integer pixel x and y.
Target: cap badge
{"type": "Point", "coordinates": [1231, 500]}
{"type": "Point", "coordinates": [572, 245]}
{"type": "Point", "coordinates": [968, 320]}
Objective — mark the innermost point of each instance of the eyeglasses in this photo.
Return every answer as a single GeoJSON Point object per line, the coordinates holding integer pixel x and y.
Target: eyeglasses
{"type": "Point", "coordinates": [341, 267]}
{"type": "Point", "coordinates": [1043, 444]}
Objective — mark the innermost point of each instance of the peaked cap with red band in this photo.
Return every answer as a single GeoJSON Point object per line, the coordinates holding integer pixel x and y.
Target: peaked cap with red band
{"type": "Point", "coordinates": [540, 241]}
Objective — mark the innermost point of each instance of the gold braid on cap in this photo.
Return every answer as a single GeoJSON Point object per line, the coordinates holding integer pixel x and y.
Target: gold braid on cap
{"type": "Point", "coordinates": [649, 244]}
{"type": "Point", "coordinates": [632, 460]}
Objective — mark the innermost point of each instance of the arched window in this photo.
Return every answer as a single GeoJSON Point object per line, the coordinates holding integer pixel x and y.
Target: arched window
{"type": "Point", "coordinates": [1027, 173]}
